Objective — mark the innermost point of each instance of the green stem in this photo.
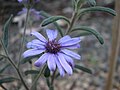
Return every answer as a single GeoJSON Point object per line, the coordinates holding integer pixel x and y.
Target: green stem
{"type": "Point", "coordinates": [53, 77]}
{"type": "Point", "coordinates": [72, 22]}
{"type": "Point", "coordinates": [7, 55]}
{"type": "Point", "coordinates": [13, 64]}
{"type": "Point", "coordinates": [23, 39]}
{"type": "Point", "coordinates": [22, 79]}
{"type": "Point", "coordinates": [37, 77]}
{"type": "Point", "coordinates": [3, 56]}
{"type": "Point", "coordinates": [74, 18]}
{"type": "Point", "coordinates": [51, 87]}
{"type": "Point", "coordinates": [33, 76]}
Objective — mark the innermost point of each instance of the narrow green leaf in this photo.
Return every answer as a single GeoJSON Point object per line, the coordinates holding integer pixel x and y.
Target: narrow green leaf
{"type": "Point", "coordinates": [48, 82]}
{"type": "Point", "coordinates": [6, 31]}
{"type": "Point", "coordinates": [74, 4]}
{"type": "Point", "coordinates": [80, 2]}
{"type": "Point", "coordinates": [7, 80]}
{"type": "Point", "coordinates": [97, 8]}
{"type": "Point", "coordinates": [92, 31]}
{"type": "Point", "coordinates": [59, 29]}
{"type": "Point", "coordinates": [46, 15]}
{"type": "Point", "coordinates": [47, 72]}
{"type": "Point", "coordinates": [83, 34]}
{"type": "Point", "coordinates": [91, 2]}
{"type": "Point", "coordinates": [6, 66]}
{"type": "Point", "coordinates": [53, 19]}
{"type": "Point", "coordinates": [83, 69]}
{"type": "Point", "coordinates": [31, 72]}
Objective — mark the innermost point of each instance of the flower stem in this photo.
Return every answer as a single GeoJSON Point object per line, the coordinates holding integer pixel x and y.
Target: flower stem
{"type": "Point", "coordinates": [53, 77]}
{"type": "Point", "coordinates": [51, 87]}
{"type": "Point", "coordinates": [48, 81]}
{"type": "Point", "coordinates": [37, 77]}
{"type": "Point", "coordinates": [23, 39]}
{"type": "Point", "coordinates": [13, 64]}
{"type": "Point", "coordinates": [74, 18]}
{"type": "Point", "coordinates": [3, 56]}
{"type": "Point", "coordinates": [22, 79]}
{"type": "Point", "coordinates": [72, 22]}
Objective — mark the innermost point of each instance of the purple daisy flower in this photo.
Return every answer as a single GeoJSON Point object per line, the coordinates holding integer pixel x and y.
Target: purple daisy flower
{"type": "Point", "coordinates": [26, 1]}
{"type": "Point", "coordinates": [23, 1]}
{"type": "Point", "coordinates": [56, 52]}
{"type": "Point", "coordinates": [34, 14]}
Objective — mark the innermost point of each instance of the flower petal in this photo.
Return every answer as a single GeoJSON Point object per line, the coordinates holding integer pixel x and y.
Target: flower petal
{"type": "Point", "coordinates": [24, 11]}
{"type": "Point", "coordinates": [36, 44]}
{"type": "Point", "coordinates": [64, 64]}
{"type": "Point", "coordinates": [71, 53]}
{"type": "Point", "coordinates": [35, 14]}
{"type": "Point", "coordinates": [41, 60]}
{"type": "Point", "coordinates": [69, 60]}
{"type": "Point", "coordinates": [60, 68]}
{"type": "Point", "coordinates": [76, 46]}
{"type": "Point", "coordinates": [51, 62]}
{"type": "Point", "coordinates": [64, 39]}
{"type": "Point", "coordinates": [39, 36]}
{"type": "Point", "coordinates": [52, 34]}
{"type": "Point", "coordinates": [70, 42]}
{"type": "Point", "coordinates": [20, 0]}
{"type": "Point", "coordinates": [32, 52]}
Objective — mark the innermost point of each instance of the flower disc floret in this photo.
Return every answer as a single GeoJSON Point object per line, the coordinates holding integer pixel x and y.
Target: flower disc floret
{"type": "Point", "coordinates": [53, 47]}
{"type": "Point", "coordinates": [56, 52]}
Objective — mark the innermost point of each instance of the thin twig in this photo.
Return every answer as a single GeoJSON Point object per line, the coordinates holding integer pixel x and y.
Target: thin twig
{"type": "Point", "coordinates": [13, 64]}
{"type": "Point", "coordinates": [115, 48]}
{"type": "Point", "coordinates": [3, 87]}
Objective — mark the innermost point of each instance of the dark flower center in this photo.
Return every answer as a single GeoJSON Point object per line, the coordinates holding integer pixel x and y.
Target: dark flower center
{"type": "Point", "coordinates": [53, 47]}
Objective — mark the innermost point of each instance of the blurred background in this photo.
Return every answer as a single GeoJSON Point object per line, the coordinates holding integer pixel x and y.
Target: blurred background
{"type": "Point", "coordinates": [94, 55]}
